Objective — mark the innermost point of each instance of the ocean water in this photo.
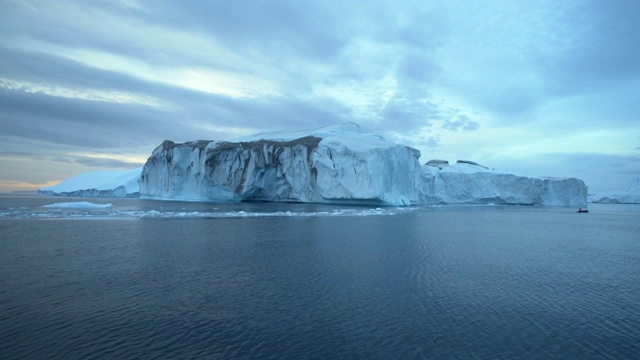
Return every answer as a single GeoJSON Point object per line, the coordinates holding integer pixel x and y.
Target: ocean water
{"type": "Point", "coordinates": [153, 279]}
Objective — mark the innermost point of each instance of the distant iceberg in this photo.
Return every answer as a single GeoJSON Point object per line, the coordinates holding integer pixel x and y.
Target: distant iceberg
{"type": "Point", "coordinates": [111, 183]}
{"type": "Point", "coordinates": [467, 182]}
{"type": "Point", "coordinates": [338, 164]}
{"type": "Point", "coordinates": [629, 196]}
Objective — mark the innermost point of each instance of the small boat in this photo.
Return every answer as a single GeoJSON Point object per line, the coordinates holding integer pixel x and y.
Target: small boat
{"type": "Point", "coordinates": [581, 210]}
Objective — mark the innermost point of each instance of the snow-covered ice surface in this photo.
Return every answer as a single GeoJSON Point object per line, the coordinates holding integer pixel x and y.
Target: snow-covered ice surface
{"type": "Point", "coordinates": [111, 183]}
{"type": "Point", "coordinates": [629, 196]}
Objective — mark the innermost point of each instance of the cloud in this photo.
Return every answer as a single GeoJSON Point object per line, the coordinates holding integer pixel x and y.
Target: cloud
{"type": "Point", "coordinates": [76, 122]}
{"type": "Point", "coordinates": [418, 68]}
{"type": "Point", "coordinates": [402, 113]}
{"type": "Point", "coordinates": [48, 71]}
{"type": "Point", "coordinates": [282, 28]}
{"type": "Point", "coordinates": [98, 124]}
{"type": "Point", "coordinates": [461, 122]}
{"type": "Point", "coordinates": [606, 52]}
{"type": "Point", "coordinates": [106, 162]}
{"type": "Point", "coordinates": [432, 142]}
{"type": "Point", "coordinates": [93, 78]}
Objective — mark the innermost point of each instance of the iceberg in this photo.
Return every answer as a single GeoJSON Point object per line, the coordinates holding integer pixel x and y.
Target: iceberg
{"type": "Point", "coordinates": [111, 183]}
{"type": "Point", "coordinates": [629, 196]}
{"type": "Point", "coordinates": [338, 164]}
{"type": "Point", "coordinates": [468, 182]}
{"type": "Point", "coordinates": [78, 205]}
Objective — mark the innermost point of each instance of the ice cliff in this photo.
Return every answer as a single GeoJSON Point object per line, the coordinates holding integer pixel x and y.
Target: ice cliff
{"type": "Point", "coordinates": [336, 164]}
{"type": "Point", "coordinates": [467, 182]}
{"type": "Point", "coordinates": [629, 196]}
{"type": "Point", "coordinates": [112, 183]}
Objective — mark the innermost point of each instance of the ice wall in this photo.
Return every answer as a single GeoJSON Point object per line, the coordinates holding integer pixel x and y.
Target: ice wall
{"type": "Point", "coordinates": [469, 183]}
{"type": "Point", "coordinates": [330, 166]}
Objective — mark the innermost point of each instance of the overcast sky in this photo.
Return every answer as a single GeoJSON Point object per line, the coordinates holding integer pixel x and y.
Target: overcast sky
{"type": "Point", "coordinates": [537, 88]}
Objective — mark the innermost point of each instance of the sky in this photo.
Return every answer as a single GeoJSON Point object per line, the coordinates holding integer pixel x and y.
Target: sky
{"type": "Point", "coordinates": [536, 88]}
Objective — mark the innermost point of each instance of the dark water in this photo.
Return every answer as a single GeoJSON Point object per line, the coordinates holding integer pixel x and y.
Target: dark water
{"type": "Point", "coordinates": [183, 280]}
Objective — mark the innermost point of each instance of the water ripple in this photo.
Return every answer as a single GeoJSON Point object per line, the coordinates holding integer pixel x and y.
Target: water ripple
{"type": "Point", "coordinates": [421, 284]}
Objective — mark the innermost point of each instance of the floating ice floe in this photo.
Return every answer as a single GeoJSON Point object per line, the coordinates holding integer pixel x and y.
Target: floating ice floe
{"type": "Point", "coordinates": [78, 205]}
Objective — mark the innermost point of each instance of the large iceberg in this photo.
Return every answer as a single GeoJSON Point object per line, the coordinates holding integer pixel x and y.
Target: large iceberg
{"type": "Point", "coordinates": [110, 183]}
{"type": "Point", "coordinates": [335, 164]}
{"type": "Point", "coordinates": [629, 196]}
{"type": "Point", "coordinates": [339, 164]}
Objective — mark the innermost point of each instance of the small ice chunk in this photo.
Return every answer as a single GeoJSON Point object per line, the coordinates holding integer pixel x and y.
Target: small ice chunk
{"type": "Point", "coordinates": [79, 205]}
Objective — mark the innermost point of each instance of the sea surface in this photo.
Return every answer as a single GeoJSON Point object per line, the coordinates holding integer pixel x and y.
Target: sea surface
{"type": "Point", "coordinates": [175, 280]}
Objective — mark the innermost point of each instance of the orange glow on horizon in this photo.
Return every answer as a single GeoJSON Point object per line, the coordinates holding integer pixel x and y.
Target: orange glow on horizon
{"type": "Point", "coordinates": [7, 186]}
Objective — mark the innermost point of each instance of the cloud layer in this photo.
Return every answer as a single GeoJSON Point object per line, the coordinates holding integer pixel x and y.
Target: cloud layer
{"type": "Point", "coordinates": [540, 84]}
